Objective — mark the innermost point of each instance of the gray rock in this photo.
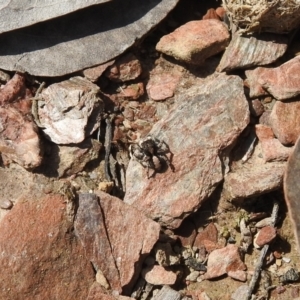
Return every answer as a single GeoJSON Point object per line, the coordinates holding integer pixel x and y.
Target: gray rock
{"type": "Point", "coordinates": [205, 121]}
{"type": "Point", "coordinates": [21, 13]}
{"type": "Point", "coordinates": [70, 110]}
{"type": "Point", "coordinates": [166, 293]}
{"type": "Point", "coordinates": [82, 39]}
{"type": "Point", "coordinates": [249, 51]}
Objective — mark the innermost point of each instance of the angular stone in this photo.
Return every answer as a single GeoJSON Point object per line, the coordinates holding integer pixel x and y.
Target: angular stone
{"type": "Point", "coordinates": [292, 189]}
{"type": "Point", "coordinates": [205, 111]}
{"type": "Point", "coordinates": [210, 233]}
{"type": "Point", "coordinates": [248, 51]}
{"type": "Point", "coordinates": [265, 236]}
{"type": "Point", "coordinates": [84, 41]}
{"type": "Point", "coordinates": [158, 275]}
{"type": "Point", "coordinates": [107, 226]}
{"type": "Point", "coordinates": [18, 14]}
{"type": "Point", "coordinates": [19, 139]}
{"type": "Point", "coordinates": [39, 250]}
{"type": "Point", "coordinates": [163, 84]}
{"type": "Point", "coordinates": [70, 110]}
{"type": "Point", "coordinates": [210, 14]}
{"type": "Point", "coordinates": [272, 149]}
{"type": "Point", "coordinates": [94, 73]}
{"type": "Point", "coordinates": [125, 68]}
{"type": "Point", "coordinates": [256, 108]}
{"type": "Point", "coordinates": [285, 121]}
{"type": "Point", "coordinates": [225, 260]}
{"type": "Point", "coordinates": [186, 233]}
{"type": "Point", "coordinates": [195, 41]}
{"type": "Point", "coordinates": [166, 293]}
{"type": "Point", "coordinates": [274, 80]}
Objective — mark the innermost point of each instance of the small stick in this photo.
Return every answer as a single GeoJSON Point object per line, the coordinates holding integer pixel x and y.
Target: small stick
{"type": "Point", "coordinates": [249, 151]}
{"type": "Point", "coordinates": [34, 107]}
{"type": "Point", "coordinates": [263, 253]}
{"type": "Point", "coordinates": [107, 145]}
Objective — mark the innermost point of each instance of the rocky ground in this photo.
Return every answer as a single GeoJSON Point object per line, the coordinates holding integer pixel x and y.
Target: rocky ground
{"type": "Point", "coordinates": [157, 175]}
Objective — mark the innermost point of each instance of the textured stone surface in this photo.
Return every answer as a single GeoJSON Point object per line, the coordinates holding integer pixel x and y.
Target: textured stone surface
{"type": "Point", "coordinates": [70, 110]}
{"type": "Point", "coordinates": [210, 233]}
{"type": "Point", "coordinates": [272, 149]}
{"type": "Point", "coordinates": [17, 14]}
{"type": "Point", "coordinates": [40, 252]}
{"type": "Point", "coordinates": [207, 112]}
{"type": "Point", "coordinates": [162, 85]}
{"type": "Point", "coordinates": [125, 68]}
{"type": "Point", "coordinates": [292, 189]}
{"type": "Point", "coordinates": [225, 260]}
{"type": "Point", "coordinates": [158, 275]}
{"type": "Point", "coordinates": [94, 73]}
{"type": "Point", "coordinates": [248, 51]}
{"type": "Point", "coordinates": [45, 50]}
{"type": "Point", "coordinates": [195, 41]}
{"type": "Point", "coordinates": [285, 121]}
{"type": "Point", "coordinates": [265, 236]}
{"type": "Point", "coordinates": [166, 293]}
{"type": "Point", "coordinates": [256, 108]}
{"type": "Point", "coordinates": [282, 82]}
{"type": "Point", "coordinates": [106, 229]}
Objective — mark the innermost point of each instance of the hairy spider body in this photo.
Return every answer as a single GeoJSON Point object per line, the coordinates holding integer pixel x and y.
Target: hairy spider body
{"type": "Point", "coordinates": [151, 153]}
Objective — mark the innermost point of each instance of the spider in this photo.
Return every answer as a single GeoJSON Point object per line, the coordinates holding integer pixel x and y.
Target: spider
{"type": "Point", "coordinates": [151, 153]}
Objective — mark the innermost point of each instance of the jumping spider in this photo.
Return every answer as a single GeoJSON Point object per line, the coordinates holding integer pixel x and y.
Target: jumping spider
{"type": "Point", "coordinates": [151, 153]}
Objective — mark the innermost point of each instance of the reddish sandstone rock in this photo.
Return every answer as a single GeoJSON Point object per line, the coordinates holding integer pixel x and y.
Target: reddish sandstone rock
{"type": "Point", "coordinates": [256, 108]}
{"type": "Point", "coordinates": [211, 14]}
{"type": "Point", "coordinates": [265, 236]}
{"type": "Point", "coordinates": [282, 82]}
{"type": "Point", "coordinates": [272, 149]}
{"type": "Point", "coordinates": [94, 73]}
{"type": "Point", "coordinates": [162, 85]}
{"type": "Point", "coordinates": [40, 253]}
{"type": "Point", "coordinates": [248, 51]}
{"type": "Point", "coordinates": [225, 260]}
{"type": "Point", "coordinates": [158, 275]}
{"type": "Point", "coordinates": [126, 68]}
{"type": "Point", "coordinates": [210, 233]}
{"type": "Point", "coordinates": [207, 111]}
{"type": "Point", "coordinates": [285, 121]}
{"type": "Point", "coordinates": [195, 41]}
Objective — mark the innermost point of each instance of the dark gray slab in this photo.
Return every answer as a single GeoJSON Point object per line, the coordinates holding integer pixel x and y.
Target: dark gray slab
{"type": "Point", "coordinates": [82, 39]}
{"type": "Point", "coordinates": [16, 14]}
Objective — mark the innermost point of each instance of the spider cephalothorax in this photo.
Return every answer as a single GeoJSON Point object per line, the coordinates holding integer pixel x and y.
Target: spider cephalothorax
{"type": "Point", "coordinates": [151, 153]}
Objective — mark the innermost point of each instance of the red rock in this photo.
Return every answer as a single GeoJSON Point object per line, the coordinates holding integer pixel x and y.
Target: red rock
{"type": "Point", "coordinates": [195, 41]}
{"type": "Point", "coordinates": [167, 293]}
{"type": "Point", "coordinates": [272, 149]}
{"type": "Point", "coordinates": [94, 73]}
{"type": "Point", "coordinates": [265, 236]}
{"type": "Point", "coordinates": [19, 139]}
{"type": "Point", "coordinates": [221, 12]}
{"type": "Point", "coordinates": [132, 92]}
{"type": "Point", "coordinates": [40, 253]}
{"type": "Point", "coordinates": [256, 108]}
{"type": "Point", "coordinates": [125, 68]}
{"type": "Point", "coordinates": [210, 14]}
{"type": "Point", "coordinates": [120, 253]}
{"type": "Point", "coordinates": [14, 89]}
{"type": "Point", "coordinates": [225, 260]}
{"type": "Point", "coordinates": [147, 112]}
{"type": "Point", "coordinates": [282, 82]}
{"type": "Point", "coordinates": [158, 275]}
{"type": "Point", "coordinates": [246, 51]}
{"type": "Point", "coordinates": [206, 111]}
{"type": "Point", "coordinates": [285, 121]}
{"type": "Point", "coordinates": [162, 85]}
{"type": "Point", "coordinates": [210, 233]}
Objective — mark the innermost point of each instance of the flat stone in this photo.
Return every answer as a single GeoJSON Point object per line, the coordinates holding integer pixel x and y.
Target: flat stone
{"type": "Point", "coordinates": [225, 261]}
{"type": "Point", "coordinates": [126, 68]}
{"type": "Point", "coordinates": [162, 84]}
{"type": "Point", "coordinates": [272, 149]}
{"type": "Point", "coordinates": [265, 236]}
{"type": "Point", "coordinates": [292, 189]}
{"type": "Point", "coordinates": [210, 233]}
{"type": "Point", "coordinates": [285, 121]}
{"type": "Point", "coordinates": [18, 14]}
{"type": "Point", "coordinates": [166, 293]}
{"type": "Point", "coordinates": [158, 275]}
{"type": "Point", "coordinates": [71, 104]}
{"type": "Point", "coordinates": [205, 111]}
{"type": "Point", "coordinates": [274, 80]}
{"type": "Point", "coordinates": [44, 49]}
{"type": "Point", "coordinates": [195, 41]}
{"type": "Point", "coordinates": [107, 226]}
{"type": "Point", "coordinates": [255, 50]}
{"type": "Point", "coordinates": [39, 250]}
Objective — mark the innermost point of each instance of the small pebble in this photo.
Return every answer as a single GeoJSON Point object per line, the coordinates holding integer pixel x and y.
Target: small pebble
{"type": "Point", "coordinates": [193, 276]}
{"type": "Point", "coordinates": [286, 259]}
{"type": "Point", "coordinates": [290, 276]}
{"type": "Point", "coordinates": [6, 204]}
